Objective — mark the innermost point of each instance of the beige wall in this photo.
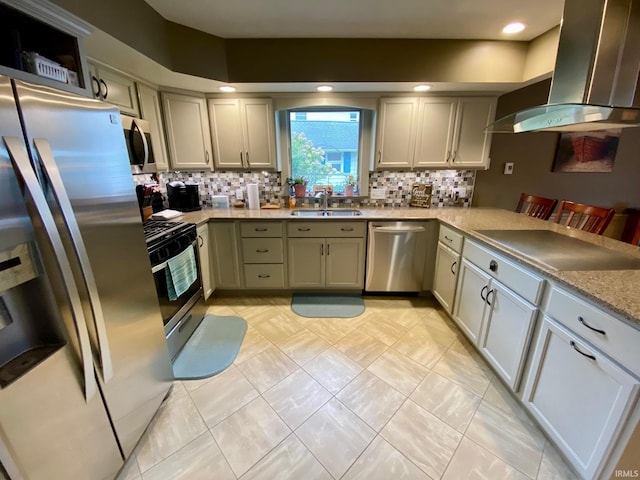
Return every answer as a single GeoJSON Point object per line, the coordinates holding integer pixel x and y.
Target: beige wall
{"type": "Point", "coordinates": [532, 155]}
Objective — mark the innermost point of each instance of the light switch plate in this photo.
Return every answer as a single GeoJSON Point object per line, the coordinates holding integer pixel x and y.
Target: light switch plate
{"type": "Point", "coordinates": [508, 168]}
{"type": "Point", "coordinates": [378, 193]}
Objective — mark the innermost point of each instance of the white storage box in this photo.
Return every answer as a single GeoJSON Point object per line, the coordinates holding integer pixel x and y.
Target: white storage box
{"type": "Point", "coordinates": [219, 201]}
{"type": "Point", "coordinates": [44, 67]}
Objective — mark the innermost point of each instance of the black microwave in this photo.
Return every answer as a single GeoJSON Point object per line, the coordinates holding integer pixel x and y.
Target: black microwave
{"type": "Point", "coordinates": [137, 136]}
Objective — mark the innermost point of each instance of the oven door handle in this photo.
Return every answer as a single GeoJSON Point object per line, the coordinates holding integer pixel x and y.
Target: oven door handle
{"type": "Point", "coordinates": [163, 265]}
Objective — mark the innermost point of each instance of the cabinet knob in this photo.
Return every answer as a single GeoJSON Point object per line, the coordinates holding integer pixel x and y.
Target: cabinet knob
{"type": "Point", "coordinates": [493, 266]}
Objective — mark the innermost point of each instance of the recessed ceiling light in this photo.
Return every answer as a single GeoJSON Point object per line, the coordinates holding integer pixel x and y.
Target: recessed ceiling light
{"type": "Point", "coordinates": [324, 88]}
{"type": "Point", "coordinates": [515, 27]}
{"type": "Point", "coordinates": [422, 88]}
{"type": "Point", "coordinates": [227, 88]}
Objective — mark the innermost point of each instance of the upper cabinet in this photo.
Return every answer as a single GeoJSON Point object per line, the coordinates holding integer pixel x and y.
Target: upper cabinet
{"type": "Point", "coordinates": [434, 132]}
{"type": "Point", "coordinates": [187, 129]}
{"type": "Point", "coordinates": [243, 133]}
{"type": "Point", "coordinates": [115, 88]}
{"type": "Point", "coordinates": [42, 43]}
{"type": "Point", "coordinates": [150, 111]}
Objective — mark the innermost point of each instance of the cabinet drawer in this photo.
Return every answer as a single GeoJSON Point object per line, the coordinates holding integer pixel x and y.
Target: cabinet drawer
{"type": "Point", "coordinates": [326, 229]}
{"type": "Point", "coordinates": [261, 229]}
{"type": "Point", "coordinates": [262, 250]}
{"type": "Point", "coordinates": [521, 281]}
{"type": "Point", "coordinates": [264, 276]}
{"type": "Point", "coordinates": [450, 238]}
{"type": "Point", "coordinates": [616, 338]}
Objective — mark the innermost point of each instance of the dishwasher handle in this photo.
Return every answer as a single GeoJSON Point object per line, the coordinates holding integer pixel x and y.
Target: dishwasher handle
{"type": "Point", "coordinates": [398, 229]}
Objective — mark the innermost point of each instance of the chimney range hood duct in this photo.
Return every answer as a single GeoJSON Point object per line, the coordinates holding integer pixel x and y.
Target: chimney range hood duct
{"type": "Point", "coordinates": [595, 80]}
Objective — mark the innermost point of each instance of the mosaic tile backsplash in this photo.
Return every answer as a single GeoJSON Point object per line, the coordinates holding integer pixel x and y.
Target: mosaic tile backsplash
{"type": "Point", "coordinates": [451, 188]}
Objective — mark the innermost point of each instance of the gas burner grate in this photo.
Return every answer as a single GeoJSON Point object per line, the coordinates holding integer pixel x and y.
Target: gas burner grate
{"type": "Point", "coordinates": [155, 230]}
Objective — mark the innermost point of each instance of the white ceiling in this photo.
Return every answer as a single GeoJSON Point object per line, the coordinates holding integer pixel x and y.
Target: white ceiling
{"type": "Point", "coordinates": [465, 19]}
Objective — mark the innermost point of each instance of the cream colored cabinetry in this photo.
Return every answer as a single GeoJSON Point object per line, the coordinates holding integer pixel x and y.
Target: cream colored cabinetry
{"type": "Point", "coordinates": [150, 111]}
{"type": "Point", "coordinates": [583, 381]}
{"type": "Point", "coordinates": [496, 307]}
{"type": "Point", "coordinates": [243, 133]}
{"type": "Point", "coordinates": [326, 254]}
{"type": "Point", "coordinates": [263, 255]}
{"type": "Point", "coordinates": [447, 267]}
{"type": "Point", "coordinates": [187, 129]}
{"type": "Point", "coordinates": [434, 132]}
{"type": "Point", "coordinates": [396, 132]}
{"type": "Point", "coordinates": [451, 132]}
{"type": "Point", "coordinates": [208, 284]}
{"type": "Point", "coordinates": [115, 88]}
{"type": "Point", "coordinates": [225, 259]}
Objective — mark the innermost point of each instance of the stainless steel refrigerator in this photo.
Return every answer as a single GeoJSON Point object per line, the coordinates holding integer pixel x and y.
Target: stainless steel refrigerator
{"type": "Point", "coordinates": [83, 357]}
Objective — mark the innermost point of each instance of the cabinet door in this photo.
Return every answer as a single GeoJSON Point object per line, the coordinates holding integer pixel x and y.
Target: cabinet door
{"type": "Point", "coordinates": [446, 274]}
{"type": "Point", "coordinates": [205, 260]}
{"type": "Point", "coordinates": [473, 285]}
{"type": "Point", "coordinates": [396, 139]}
{"type": "Point", "coordinates": [188, 134]}
{"type": "Point", "coordinates": [506, 332]}
{"type": "Point", "coordinates": [226, 259]}
{"type": "Point", "coordinates": [258, 132]}
{"type": "Point", "coordinates": [118, 90]}
{"type": "Point", "coordinates": [435, 132]}
{"type": "Point", "coordinates": [306, 262]}
{"type": "Point", "coordinates": [578, 395]}
{"type": "Point", "coordinates": [344, 261]}
{"type": "Point", "coordinates": [150, 111]}
{"type": "Point", "coordinates": [226, 131]}
{"type": "Point", "coordinates": [471, 144]}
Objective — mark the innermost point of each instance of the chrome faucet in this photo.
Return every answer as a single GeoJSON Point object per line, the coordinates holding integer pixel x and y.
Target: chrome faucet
{"type": "Point", "coordinates": [324, 195]}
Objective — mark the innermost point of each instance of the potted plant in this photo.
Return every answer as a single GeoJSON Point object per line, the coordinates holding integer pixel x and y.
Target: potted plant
{"type": "Point", "coordinates": [299, 185]}
{"type": "Point", "coordinates": [349, 186]}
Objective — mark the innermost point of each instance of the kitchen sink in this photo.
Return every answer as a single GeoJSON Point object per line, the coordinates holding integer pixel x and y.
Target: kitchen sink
{"type": "Point", "coordinates": [334, 212]}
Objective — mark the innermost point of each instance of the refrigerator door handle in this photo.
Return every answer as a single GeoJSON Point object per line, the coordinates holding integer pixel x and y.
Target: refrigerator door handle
{"type": "Point", "coordinates": [60, 193]}
{"type": "Point", "coordinates": [27, 177]}
{"type": "Point", "coordinates": [145, 146]}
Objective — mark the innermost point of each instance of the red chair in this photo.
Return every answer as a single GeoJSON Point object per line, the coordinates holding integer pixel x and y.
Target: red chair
{"type": "Point", "coordinates": [538, 207]}
{"type": "Point", "coordinates": [584, 217]}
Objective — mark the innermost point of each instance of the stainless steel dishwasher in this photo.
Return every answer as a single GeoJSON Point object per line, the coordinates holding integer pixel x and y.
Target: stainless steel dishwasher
{"type": "Point", "coordinates": [396, 256]}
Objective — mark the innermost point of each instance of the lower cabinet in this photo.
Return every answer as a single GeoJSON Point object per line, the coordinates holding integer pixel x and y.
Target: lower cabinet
{"type": "Point", "coordinates": [470, 302]}
{"type": "Point", "coordinates": [446, 274]}
{"type": "Point", "coordinates": [326, 262]}
{"type": "Point", "coordinates": [579, 396]}
{"type": "Point", "coordinates": [208, 284]}
{"type": "Point", "coordinates": [226, 258]}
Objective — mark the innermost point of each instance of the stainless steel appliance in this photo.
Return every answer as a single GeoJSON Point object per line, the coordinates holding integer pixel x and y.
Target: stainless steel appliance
{"type": "Point", "coordinates": [137, 136]}
{"type": "Point", "coordinates": [84, 361]}
{"type": "Point", "coordinates": [181, 316]}
{"type": "Point", "coordinates": [595, 83]}
{"type": "Point", "coordinates": [396, 256]}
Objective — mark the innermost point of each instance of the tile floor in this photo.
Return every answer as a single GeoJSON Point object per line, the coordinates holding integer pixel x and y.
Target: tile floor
{"type": "Point", "coordinates": [396, 393]}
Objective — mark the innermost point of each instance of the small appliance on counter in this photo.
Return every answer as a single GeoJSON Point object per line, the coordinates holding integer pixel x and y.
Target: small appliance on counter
{"type": "Point", "coordinates": [183, 196]}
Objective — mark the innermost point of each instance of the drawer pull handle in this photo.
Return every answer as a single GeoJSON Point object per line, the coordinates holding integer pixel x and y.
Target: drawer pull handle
{"type": "Point", "coordinates": [601, 332]}
{"type": "Point", "coordinates": [304, 229]}
{"type": "Point", "coordinates": [263, 275]}
{"type": "Point", "coordinates": [493, 266]}
{"type": "Point", "coordinates": [448, 239]}
{"type": "Point", "coordinates": [575, 347]}
{"type": "Point", "coordinates": [259, 229]}
{"type": "Point", "coordinates": [262, 250]}
{"type": "Point", "coordinates": [453, 265]}
{"type": "Point", "coordinates": [346, 229]}
{"type": "Point", "coordinates": [492, 291]}
{"type": "Point", "coordinates": [484, 299]}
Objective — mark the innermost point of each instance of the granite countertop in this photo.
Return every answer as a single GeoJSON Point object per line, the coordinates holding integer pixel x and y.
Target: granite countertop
{"type": "Point", "coordinates": [616, 290]}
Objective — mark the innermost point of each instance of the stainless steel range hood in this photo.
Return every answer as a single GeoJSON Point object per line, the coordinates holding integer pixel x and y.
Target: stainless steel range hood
{"type": "Point", "coordinates": [595, 81]}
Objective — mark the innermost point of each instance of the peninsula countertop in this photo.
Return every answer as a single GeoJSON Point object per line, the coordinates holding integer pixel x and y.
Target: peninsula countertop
{"type": "Point", "coordinates": [616, 290]}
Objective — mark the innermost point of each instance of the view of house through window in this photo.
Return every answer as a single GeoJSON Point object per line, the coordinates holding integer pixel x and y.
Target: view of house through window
{"type": "Point", "coordinates": [324, 148]}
